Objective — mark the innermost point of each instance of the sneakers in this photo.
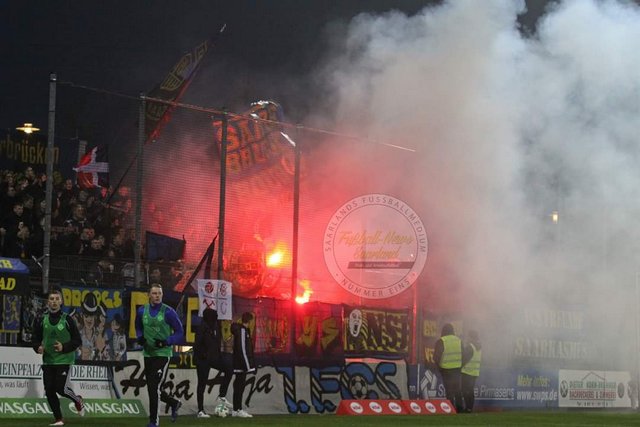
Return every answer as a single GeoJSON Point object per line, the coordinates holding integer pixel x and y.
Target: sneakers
{"type": "Point", "coordinates": [174, 410]}
{"type": "Point", "coordinates": [57, 423]}
{"type": "Point", "coordinates": [221, 400]}
{"type": "Point", "coordinates": [79, 407]}
{"type": "Point", "coordinates": [202, 414]}
{"type": "Point", "coordinates": [241, 414]}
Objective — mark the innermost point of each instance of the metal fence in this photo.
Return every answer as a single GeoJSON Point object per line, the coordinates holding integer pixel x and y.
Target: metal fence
{"type": "Point", "coordinates": [264, 211]}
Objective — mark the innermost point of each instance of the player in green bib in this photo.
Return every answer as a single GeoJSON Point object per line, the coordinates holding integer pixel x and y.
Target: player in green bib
{"type": "Point", "coordinates": [158, 328]}
{"type": "Point", "coordinates": [57, 339]}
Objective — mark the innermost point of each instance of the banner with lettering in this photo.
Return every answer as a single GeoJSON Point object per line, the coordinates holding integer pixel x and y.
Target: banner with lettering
{"type": "Point", "coordinates": [286, 389]}
{"type": "Point", "coordinates": [18, 151]}
{"type": "Point", "coordinates": [594, 389]}
{"type": "Point", "coordinates": [101, 322]}
{"type": "Point", "coordinates": [552, 336]}
{"type": "Point", "coordinates": [215, 294]}
{"type": "Point", "coordinates": [375, 332]}
{"type": "Point", "coordinates": [21, 376]}
{"type": "Point", "coordinates": [318, 339]}
{"type": "Point", "coordinates": [11, 306]}
{"type": "Point", "coordinates": [270, 328]}
{"type": "Point", "coordinates": [14, 276]}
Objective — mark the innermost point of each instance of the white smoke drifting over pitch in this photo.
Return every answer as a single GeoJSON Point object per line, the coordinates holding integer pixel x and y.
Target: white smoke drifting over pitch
{"type": "Point", "coordinates": [509, 128]}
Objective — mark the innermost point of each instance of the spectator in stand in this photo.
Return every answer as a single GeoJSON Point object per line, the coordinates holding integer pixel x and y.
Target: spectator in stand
{"type": "Point", "coordinates": [96, 248]}
{"type": "Point", "coordinates": [11, 224]}
{"type": "Point", "coordinates": [78, 218]}
{"type": "Point", "coordinates": [27, 210]}
{"type": "Point", "coordinates": [8, 200]}
{"type": "Point", "coordinates": [37, 188]}
{"type": "Point", "coordinates": [30, 175]}
{"type": "Point", "coordinates": [121, 204]}
{"type": "Point", "coordinates": [14, 218]}
{"type": "Point", "coordinates": [155, 275]}
{"type": "Point", "coordinates": [63, 240]}
{"type": "Point", "coordinates": [22, 185]}
{"type": "Point", "coordinates": [39, 211]}
{"type": "Point", "coordinates": [94, 209]}
{"type": "Point", "coordinates": [19, 245]}
{"type": "Point", "coordinates": [83, 243]}
{"type": "Point", "coordinates": [176, 273]}
{"type": "Point", "coordinates": [67, 196]}
{"type": "Point", "coordinates": [83, 195]}
{"type": "Point", "coordinates": [8, 180]}
{"type": "Point", "coordinates": [129, 244]}
{"type": "Point", "coordinates": [117, 243]}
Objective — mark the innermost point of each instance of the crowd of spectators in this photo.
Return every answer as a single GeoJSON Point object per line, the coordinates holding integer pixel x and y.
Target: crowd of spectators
{"type": "Point", "coordinates": [92, 238]}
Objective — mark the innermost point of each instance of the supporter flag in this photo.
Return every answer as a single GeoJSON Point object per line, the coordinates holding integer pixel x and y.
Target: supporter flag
{"type": "Point", "coordinates": [93, 169]}
{"type": "Point", "coordinates": [172, 87]}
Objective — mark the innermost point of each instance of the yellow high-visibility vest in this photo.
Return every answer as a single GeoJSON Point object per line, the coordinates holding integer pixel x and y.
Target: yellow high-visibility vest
{"type": "Point", "coordinates": [473, 365]}
{"type": "Point", "coordinates": [452, 353]}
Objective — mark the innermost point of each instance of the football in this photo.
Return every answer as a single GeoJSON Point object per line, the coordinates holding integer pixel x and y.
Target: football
{"type": "Point", "coordinates": [358, 387]}
{"type": "Point", "coordinates": [221, 410]}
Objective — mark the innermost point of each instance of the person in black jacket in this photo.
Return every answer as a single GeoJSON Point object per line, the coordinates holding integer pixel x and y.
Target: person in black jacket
{"type": "Point", "coordinates": [243, 362]}
{"type": "Point", "coordinates": [207, 353]}
{"type": "Point", "coordinates": [56, 338]}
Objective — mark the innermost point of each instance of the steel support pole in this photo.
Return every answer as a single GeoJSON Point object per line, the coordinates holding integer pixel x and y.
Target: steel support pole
{"type": "Point", "coordinates": [137, 249]}
{"type": "Point", "coordinates": [48, 197]}
{"type": "Point", "coordinates": [223, 195]}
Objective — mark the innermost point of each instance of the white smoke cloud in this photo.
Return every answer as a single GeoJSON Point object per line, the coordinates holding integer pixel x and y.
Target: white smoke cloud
{"type": "Point", "coordinates": [509, 128]}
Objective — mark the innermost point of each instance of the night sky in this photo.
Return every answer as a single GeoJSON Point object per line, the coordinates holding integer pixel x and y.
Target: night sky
{"type": "Point", "coordinates": [267, 50]}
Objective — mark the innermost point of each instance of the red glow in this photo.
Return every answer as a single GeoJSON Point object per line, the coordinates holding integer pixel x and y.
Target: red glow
{"type": "Point", "coordinates": [278, 256]}
{"type": "Point", "coordinates": [275, 259]}
{"type": "Point", "coordinates": [304, 298]}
